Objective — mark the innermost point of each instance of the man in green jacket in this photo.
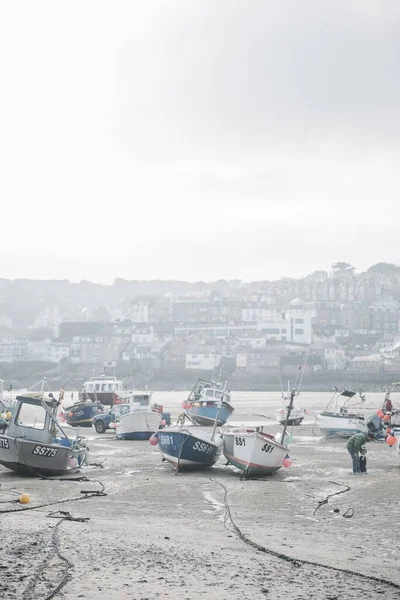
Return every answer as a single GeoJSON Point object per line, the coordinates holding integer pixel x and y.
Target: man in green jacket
{"type": "Point", "coordinates": [354, 445]}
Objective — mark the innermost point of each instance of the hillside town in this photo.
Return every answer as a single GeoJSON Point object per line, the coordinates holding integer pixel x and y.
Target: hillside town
{"type": "Point", "coordinates": [327, 323]}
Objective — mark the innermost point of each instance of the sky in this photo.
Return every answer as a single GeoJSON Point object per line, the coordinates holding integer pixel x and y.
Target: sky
{"type": "Point", "coordinates": [198, 139]}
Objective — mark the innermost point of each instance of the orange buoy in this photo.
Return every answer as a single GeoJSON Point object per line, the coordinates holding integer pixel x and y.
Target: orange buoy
{"type": "Point", "coordinates": [24, 499]}
{"type": "Point", "coordinates": [386, 418]}
{"type": "Point", "coordinates": [391, 440]}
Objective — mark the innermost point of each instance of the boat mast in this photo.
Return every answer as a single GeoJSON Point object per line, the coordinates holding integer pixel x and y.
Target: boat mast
{"type": "Point", "coordinates": [289, 410]}
{"type": "Point", "coordinates": [218, 409]}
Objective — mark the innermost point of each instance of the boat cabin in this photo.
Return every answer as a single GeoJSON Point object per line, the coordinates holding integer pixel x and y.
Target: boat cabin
{"type": "Point", "coordinates": [208, 391]}
{"type": "Point", "coordinates": [107, 385]}
{"type": "Point", "coordinates": [33, 418]}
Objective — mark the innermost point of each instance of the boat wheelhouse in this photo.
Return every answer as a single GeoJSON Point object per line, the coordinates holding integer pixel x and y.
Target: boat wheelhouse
{"type": "Point", "coordinates": [106, 390]}
{"type": "Point", "coordinates": [203, 404]}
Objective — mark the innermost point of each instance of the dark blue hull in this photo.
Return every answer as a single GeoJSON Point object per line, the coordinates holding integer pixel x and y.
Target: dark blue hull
{"type": "Point", "coordinates": [138, 435]}
{"type": "Point", "coordinates": [187, 451]}
{"type": "Point", "coordinates": [82, 414]}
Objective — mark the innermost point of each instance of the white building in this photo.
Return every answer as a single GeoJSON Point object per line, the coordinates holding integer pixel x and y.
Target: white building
{"type": "Point", "coordinates": [139, 311]}
{"type": "Point", "coordinates": [202, 360]}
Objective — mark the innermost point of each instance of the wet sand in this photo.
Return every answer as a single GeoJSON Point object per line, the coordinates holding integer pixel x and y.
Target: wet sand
{"type": "Point", "coordinates": [161, 535]}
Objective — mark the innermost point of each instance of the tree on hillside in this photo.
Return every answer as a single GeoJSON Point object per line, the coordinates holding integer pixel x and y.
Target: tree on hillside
{"type": "Point", "coordinates": [343, 268]}
{"type": "Point", "coordinates": [384, 267]}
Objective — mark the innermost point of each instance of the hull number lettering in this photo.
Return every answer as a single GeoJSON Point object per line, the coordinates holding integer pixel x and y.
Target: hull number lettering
{"type": "Point", "coordinates": [240, 441]}
{"type": "Point", "coordinates": [44, 451]}
{"type": "Point", "coordinates": [4, 443]}
{"type": "Point", "coordinates": [201, 447]}
{"type": "Point", "coordinates": [267, 448]}
{"type": "Point", "coordinates": [168, 440]}
{"type": "Point", "coordinates": [78, 413]}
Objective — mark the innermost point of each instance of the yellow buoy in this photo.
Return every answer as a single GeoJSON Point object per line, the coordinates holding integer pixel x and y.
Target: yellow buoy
{"type": "Point", "coordinates": [8, 415]}
{"type": "Point", "coordinates": [24, 499]}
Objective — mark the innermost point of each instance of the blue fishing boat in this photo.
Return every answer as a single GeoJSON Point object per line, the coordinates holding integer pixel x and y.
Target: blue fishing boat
{"type": "Point", "coordinates": [187, 448]}
{"type": "Point", "coordinates": [82, 413]}
{"type": "Point", "coordinates": [202, 405]}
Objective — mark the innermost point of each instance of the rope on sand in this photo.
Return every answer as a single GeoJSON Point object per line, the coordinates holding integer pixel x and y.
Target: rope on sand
{"type": "Point", "coordinates": [297, 562]}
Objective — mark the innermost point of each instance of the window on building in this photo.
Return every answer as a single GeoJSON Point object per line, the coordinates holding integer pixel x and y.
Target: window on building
{"type": "Point", "coordinates": [299, 331]}
{"type": "Point", "coordinates": [270, 331]}
{"type": "Point", "coordinates": [299, 321]}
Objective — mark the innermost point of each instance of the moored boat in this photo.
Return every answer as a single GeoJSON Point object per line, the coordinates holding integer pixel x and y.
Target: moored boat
{"type": "Point", "coordinates": [297, 413]}
{"type": "Point", "coordinates": [106, 390]}
{"type": "Point", "coordinates": [339, 418]}
{"type": "Point", "coordinates": [35, 444]}
{"type": "Point", "coordinates": [81, 414]}
{"type": "Point", "coordinates": [253, 451]}
{"type": "Point", "coordinates": [138, 424]}
{"type": "Point", "coordinates": [188, 448]}
{"type": "Point", "coordinates": [202, 405]}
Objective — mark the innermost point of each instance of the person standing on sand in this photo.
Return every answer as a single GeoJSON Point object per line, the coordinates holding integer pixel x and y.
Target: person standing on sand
{"type": "Point", "coordinates": [354, 445]}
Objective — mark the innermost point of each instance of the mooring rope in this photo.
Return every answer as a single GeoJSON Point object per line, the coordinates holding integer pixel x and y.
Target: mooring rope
{"type": "Point", "coordinates": [297, 562]}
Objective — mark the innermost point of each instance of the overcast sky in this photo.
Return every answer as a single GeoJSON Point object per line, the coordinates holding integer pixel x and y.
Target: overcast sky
{"type": "Point", "coordinates": [198, 139]}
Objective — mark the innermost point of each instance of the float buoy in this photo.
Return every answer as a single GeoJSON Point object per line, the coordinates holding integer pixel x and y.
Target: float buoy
{"type": "Point", "coordinates": [24, 499]}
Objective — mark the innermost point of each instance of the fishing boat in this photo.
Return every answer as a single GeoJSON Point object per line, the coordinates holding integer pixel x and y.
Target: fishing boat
{"type": "Point", "coordinates": [106, 390]}
{"type": "Point", "coordinates": [140, 421]}
{"type": "Point", "coordinates": [188, 448]}
{"type": "Point", "coordinates": [253, 451]}
{"type": "Point", "coordinates": [256, 452]}
{"type": "Point", "coordinates": [201, 407]}
{"type": "Point", "coordinates": [35, 444]}
{"type": "Point", "coordinates": [339, 418]}
{"type": "Point", "coordinates": [297, 413]}
{"type": "Point", "coordinates": [81, 414]}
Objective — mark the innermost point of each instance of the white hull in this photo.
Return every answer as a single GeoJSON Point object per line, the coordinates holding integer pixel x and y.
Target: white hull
{"type": "Point", "coordinates": [138, 425]}
{"type": "Point", "coordinates": [254, 453]}
{"type": "Point", "coordinates": [296, 416]}
{"type": "Point", "coordinates": [340, 425]}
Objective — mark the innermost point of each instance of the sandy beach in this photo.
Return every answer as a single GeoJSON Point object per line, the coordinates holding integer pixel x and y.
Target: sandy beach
{"type": "Point", "coordinates": [157, 534]}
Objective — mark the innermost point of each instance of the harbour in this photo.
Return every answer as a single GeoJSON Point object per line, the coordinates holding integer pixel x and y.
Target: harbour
{"type": "Point", "coordinates": [208, 533]}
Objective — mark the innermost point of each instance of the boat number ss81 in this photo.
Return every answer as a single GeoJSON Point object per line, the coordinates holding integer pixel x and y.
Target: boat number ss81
{"type": "Point", "coordinates": [4, 443]}
{"type": "Point", "coordinates": [201, 447]}
{"type": "Point", "coordinates": [44, 451]}
{"type": "Point", "coordinates": [240, 441]}
{"type": "Point", "coordinates": [267, 448]}
{"type": "Point", "coordinates": [166, 439]}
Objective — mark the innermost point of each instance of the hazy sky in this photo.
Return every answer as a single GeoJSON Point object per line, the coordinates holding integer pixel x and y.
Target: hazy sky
{"type": "Point", "coordinates": [198, 139]}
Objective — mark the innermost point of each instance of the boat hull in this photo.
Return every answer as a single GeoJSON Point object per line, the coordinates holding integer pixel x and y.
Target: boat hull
{"type": "Point", "coordinates": [140, 425]}
{"type": "Point", "coordinates": [32, 458]}
{"type": "Point", "coordinates": [205, 415]}
{"type": "Point", "coordinates": [296, 416]}
{"type": "Point", "coordinates": [254, 453]}
{"type": "Point", "coordinates": [188, 451]}
{"type": "Point", "coordinates": [105, 398]}
{"type": "Point", "coordinates": [81, 414]}
{"type": "Point", "coordinates": [344, 426]}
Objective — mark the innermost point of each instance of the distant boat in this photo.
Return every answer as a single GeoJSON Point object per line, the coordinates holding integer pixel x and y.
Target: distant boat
{"type": "Point", "coordinates": [140, 421]}
{"type": "Point", "coordinates": [339, 418]}
{"type": "Point", "coordinates": [188, 449]}
{"type": "Point", "coordinates": [34, 443]}
{"type": "Point", "coordinates": [297, 413]}
{"type": "Point", "coordinates": [106, 390]}
{"type": "Point", "coordinates": [81, 414]}
{"type": "Point", "coordinates": [201, 407]}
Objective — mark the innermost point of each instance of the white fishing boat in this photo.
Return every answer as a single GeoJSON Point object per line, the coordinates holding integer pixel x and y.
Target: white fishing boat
{"type": "Point", "coordinates": [34, 442]}
{"type": "Point", "coordinates": [256, 452]}
{"type": "Point", "coordinates": [141, 421]}
{"type": "Point", "coordinates": [340, 418]}
{"type": "Point", "coordinates": [253, 451]}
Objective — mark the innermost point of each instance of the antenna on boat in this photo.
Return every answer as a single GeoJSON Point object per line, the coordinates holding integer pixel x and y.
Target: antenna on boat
{"type": "Point", "coordinates": [218, 409]}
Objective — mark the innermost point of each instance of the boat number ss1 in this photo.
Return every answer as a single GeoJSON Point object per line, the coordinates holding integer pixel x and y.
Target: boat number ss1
{"type": "Point", "coordinates": [267, 448]}
{"type": "Point", "coordinates": [44, 451]}
{"type": "Point", "coordinates": [201, 447]}
{"type": "Point", "coordinates": [4, 443]}
{"type": "Point", "coordinates": [240, 441]}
